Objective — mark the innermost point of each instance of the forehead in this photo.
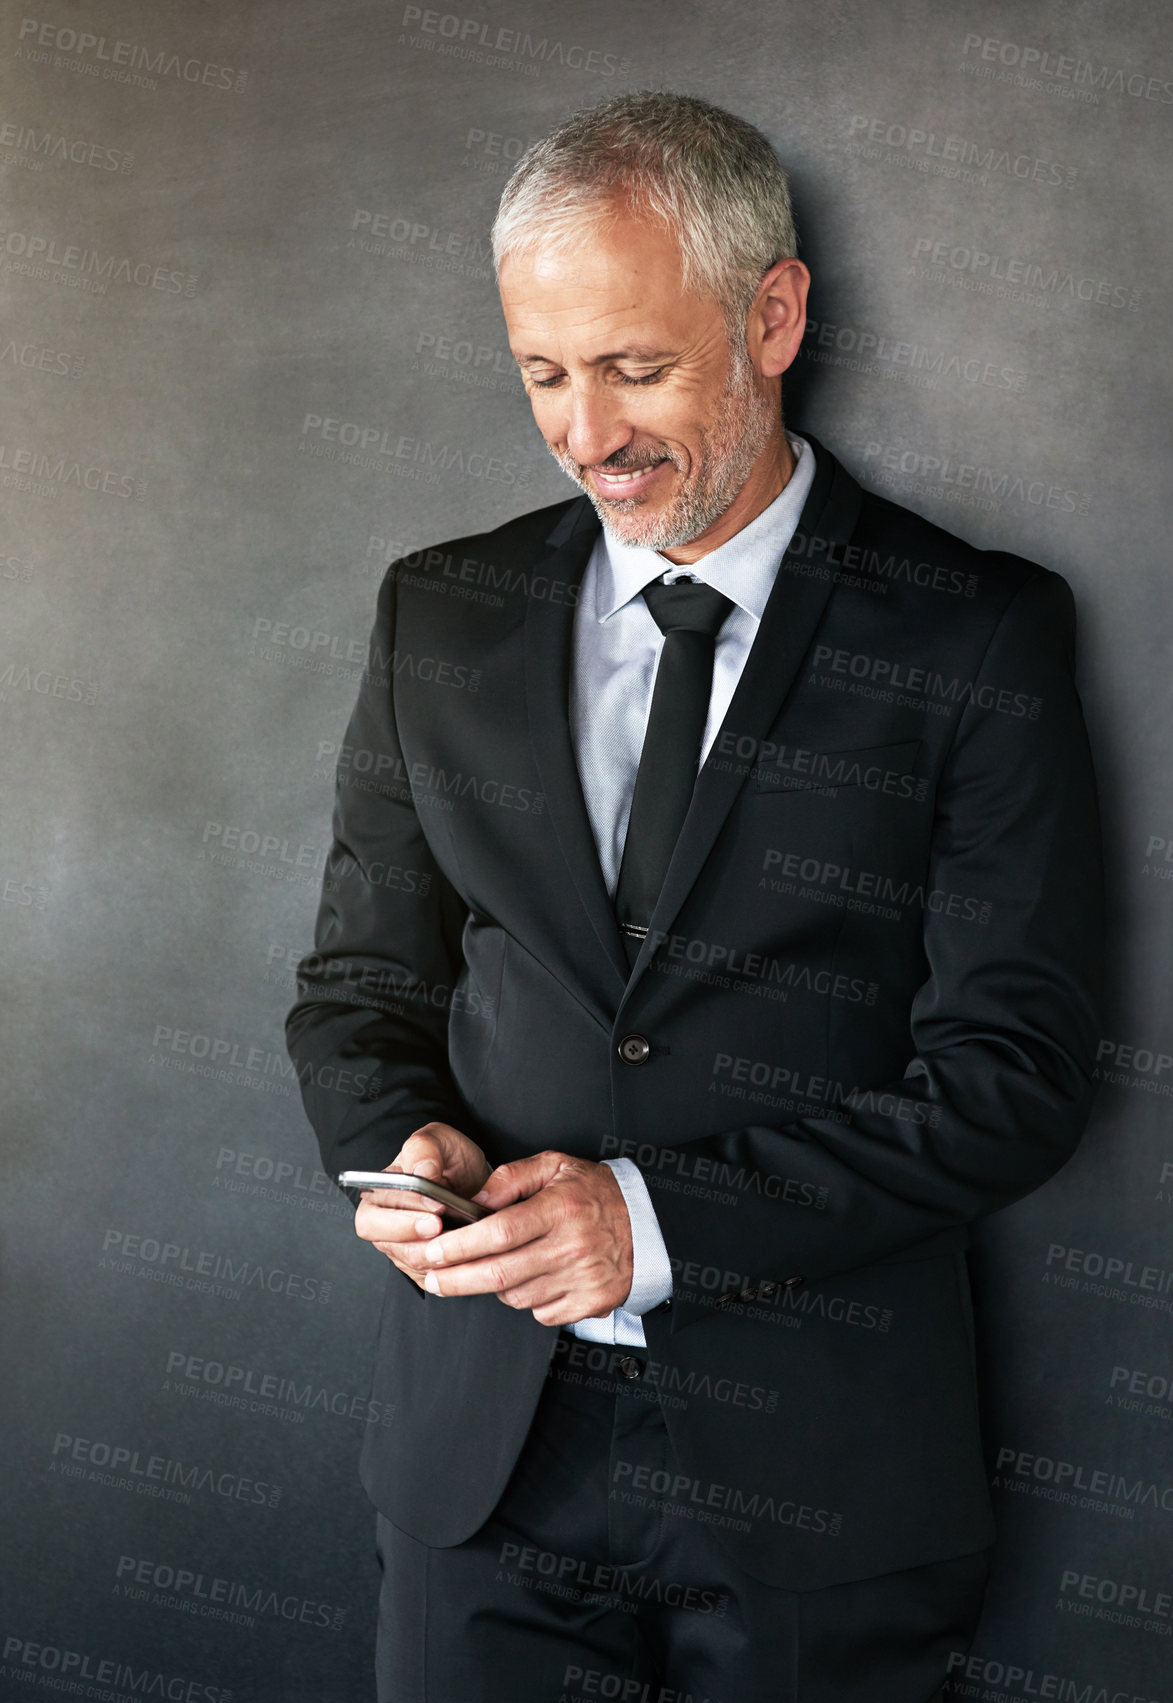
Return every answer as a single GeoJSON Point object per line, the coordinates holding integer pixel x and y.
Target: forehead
{"type": "Point", "coordinates": [622, 277]}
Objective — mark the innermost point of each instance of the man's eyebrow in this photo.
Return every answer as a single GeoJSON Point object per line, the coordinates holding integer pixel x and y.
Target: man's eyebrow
{"type": "Point", "coordinates": [633, 352]}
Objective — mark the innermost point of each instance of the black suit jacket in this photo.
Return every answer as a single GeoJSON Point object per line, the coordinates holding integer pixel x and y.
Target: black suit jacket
{"type": "Point", "coordinates": [869, 997]}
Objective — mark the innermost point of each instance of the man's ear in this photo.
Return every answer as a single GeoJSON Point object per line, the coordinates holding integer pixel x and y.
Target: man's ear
{"type": "Point", "coordinates": [777, 319]}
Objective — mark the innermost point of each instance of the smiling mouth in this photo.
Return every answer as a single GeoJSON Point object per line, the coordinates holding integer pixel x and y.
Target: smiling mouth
{"type": "Point", "coordinates": [613, 476]}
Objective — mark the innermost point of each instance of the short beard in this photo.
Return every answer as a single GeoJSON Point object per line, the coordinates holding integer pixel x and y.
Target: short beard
{"type": "Point", "coordinates": [745, 420]}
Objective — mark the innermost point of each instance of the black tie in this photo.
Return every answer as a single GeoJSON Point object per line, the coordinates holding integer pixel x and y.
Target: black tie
{"type": "Point", "coordinates": [689, 615]}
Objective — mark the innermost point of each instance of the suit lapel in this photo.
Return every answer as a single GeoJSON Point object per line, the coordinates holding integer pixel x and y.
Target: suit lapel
{"type": "Point", "coordinates": [549, 627]}
{"type": "Point", "coordinates": [792, 613]}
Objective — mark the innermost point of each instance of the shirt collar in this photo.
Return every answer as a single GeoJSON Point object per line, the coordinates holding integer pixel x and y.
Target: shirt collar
{"type": "Point", "coordinates": [743, 568]}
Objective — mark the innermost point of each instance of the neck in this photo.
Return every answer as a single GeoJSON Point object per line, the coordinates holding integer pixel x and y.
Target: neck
{"type": "Point", "coordinates": [768, 478]}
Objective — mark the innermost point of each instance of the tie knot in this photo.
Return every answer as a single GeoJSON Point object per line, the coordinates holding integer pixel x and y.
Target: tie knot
{"type": "Point", "coordinates": [687, 604]}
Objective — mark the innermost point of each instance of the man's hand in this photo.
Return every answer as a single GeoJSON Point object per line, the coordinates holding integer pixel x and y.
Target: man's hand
{"type": "Point", "coordinates": [558, 1242]}
{"type": "Point", "coordinates": [438, 1151]}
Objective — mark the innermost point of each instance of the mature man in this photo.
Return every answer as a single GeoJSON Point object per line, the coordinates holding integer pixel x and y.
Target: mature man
{"type": "Point", "coordinates": [736, 1055]}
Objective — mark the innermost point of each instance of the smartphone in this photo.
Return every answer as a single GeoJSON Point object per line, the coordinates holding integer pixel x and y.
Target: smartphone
{"type": "Point", "coordinates": [446, 1200]}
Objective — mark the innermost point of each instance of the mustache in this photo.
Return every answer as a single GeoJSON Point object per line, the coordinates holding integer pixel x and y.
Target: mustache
{"type": "Point", "coordinates": [626, 460]}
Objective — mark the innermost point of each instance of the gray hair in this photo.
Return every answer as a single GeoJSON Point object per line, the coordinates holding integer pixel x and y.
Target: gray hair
{"type": "Point", "coordinates": [711, 178]}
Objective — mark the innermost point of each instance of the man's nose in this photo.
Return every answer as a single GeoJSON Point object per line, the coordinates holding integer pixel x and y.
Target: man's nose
{"type": "Point", "coordinates": [595, 426]}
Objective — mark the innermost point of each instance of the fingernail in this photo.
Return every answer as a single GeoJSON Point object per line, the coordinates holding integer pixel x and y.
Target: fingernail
{"type": "Point", "coordinates": [425, 1224]}
{"type": "Point", "coordinates": [434, 1252]}
{"type": "Point", "coordinates": [432, 1283]}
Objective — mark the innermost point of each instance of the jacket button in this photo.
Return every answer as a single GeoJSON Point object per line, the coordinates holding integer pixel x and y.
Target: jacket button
{"type": "Point", "coordinates": [635, 1049]}
{"type": "Point", "coordinates": [629, 1366]}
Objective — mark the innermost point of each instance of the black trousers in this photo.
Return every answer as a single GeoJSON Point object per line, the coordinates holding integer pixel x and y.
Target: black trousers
{"type": "Point", "coordinates": [574, 1591]}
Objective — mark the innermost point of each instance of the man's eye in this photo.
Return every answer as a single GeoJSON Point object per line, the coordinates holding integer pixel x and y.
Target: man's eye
{"type": "Point", "coordinates": [624, 378]}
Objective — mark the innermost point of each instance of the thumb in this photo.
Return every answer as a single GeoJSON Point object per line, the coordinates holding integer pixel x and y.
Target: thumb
{"type": "Point", "coordinates": [422, 1156]}
{"type": "Point", "coordinates": [518, 1179]}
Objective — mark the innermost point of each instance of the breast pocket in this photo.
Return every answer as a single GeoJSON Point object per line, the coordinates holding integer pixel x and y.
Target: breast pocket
{"type": "Point", "coordinates": [889, 769]}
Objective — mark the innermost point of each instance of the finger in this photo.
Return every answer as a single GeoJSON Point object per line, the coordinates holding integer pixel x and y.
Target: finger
{"type": "Point", "coordinates": [422, 1154]}
{"type": "Point", "coordinates": [401, 1200]}
{"type": "Point", "coordinates": [492, 1276]}
{"type": "Point", "coordinates": [544, 1290]}
{"type": "Point", "coordinates": [511, 1228]}
{"type": "Point", "coordinates": [564, 1311]}
{"type": "Point", "coordinates": [519, 1179]}
{"type": "Point", "coordinates": [398, 1264]}
{"type": "Point", "coordinates": [375, 1223]}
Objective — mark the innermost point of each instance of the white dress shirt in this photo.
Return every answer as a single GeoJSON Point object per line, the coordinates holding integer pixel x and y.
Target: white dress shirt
{"type": "Point", "coordinates": [617, 647]}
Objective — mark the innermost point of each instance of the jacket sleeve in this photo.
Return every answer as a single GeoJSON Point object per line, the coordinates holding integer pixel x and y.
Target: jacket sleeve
{"type": "Point", "coordinates": [368, 1032]}
{"type": "Point", "coordinates": [1004, 1028]}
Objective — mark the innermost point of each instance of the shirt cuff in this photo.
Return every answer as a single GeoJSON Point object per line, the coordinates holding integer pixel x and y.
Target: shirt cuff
{"type": "Point", "coordinates": [651, 1280]}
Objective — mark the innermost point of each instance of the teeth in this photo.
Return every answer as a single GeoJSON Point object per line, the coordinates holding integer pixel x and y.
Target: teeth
{"type": "Point", "coordinates": [637, 473]}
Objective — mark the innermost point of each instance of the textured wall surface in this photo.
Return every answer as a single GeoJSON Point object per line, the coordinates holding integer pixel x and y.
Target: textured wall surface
{"type": "Point", "coordinates": [251, 348]}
